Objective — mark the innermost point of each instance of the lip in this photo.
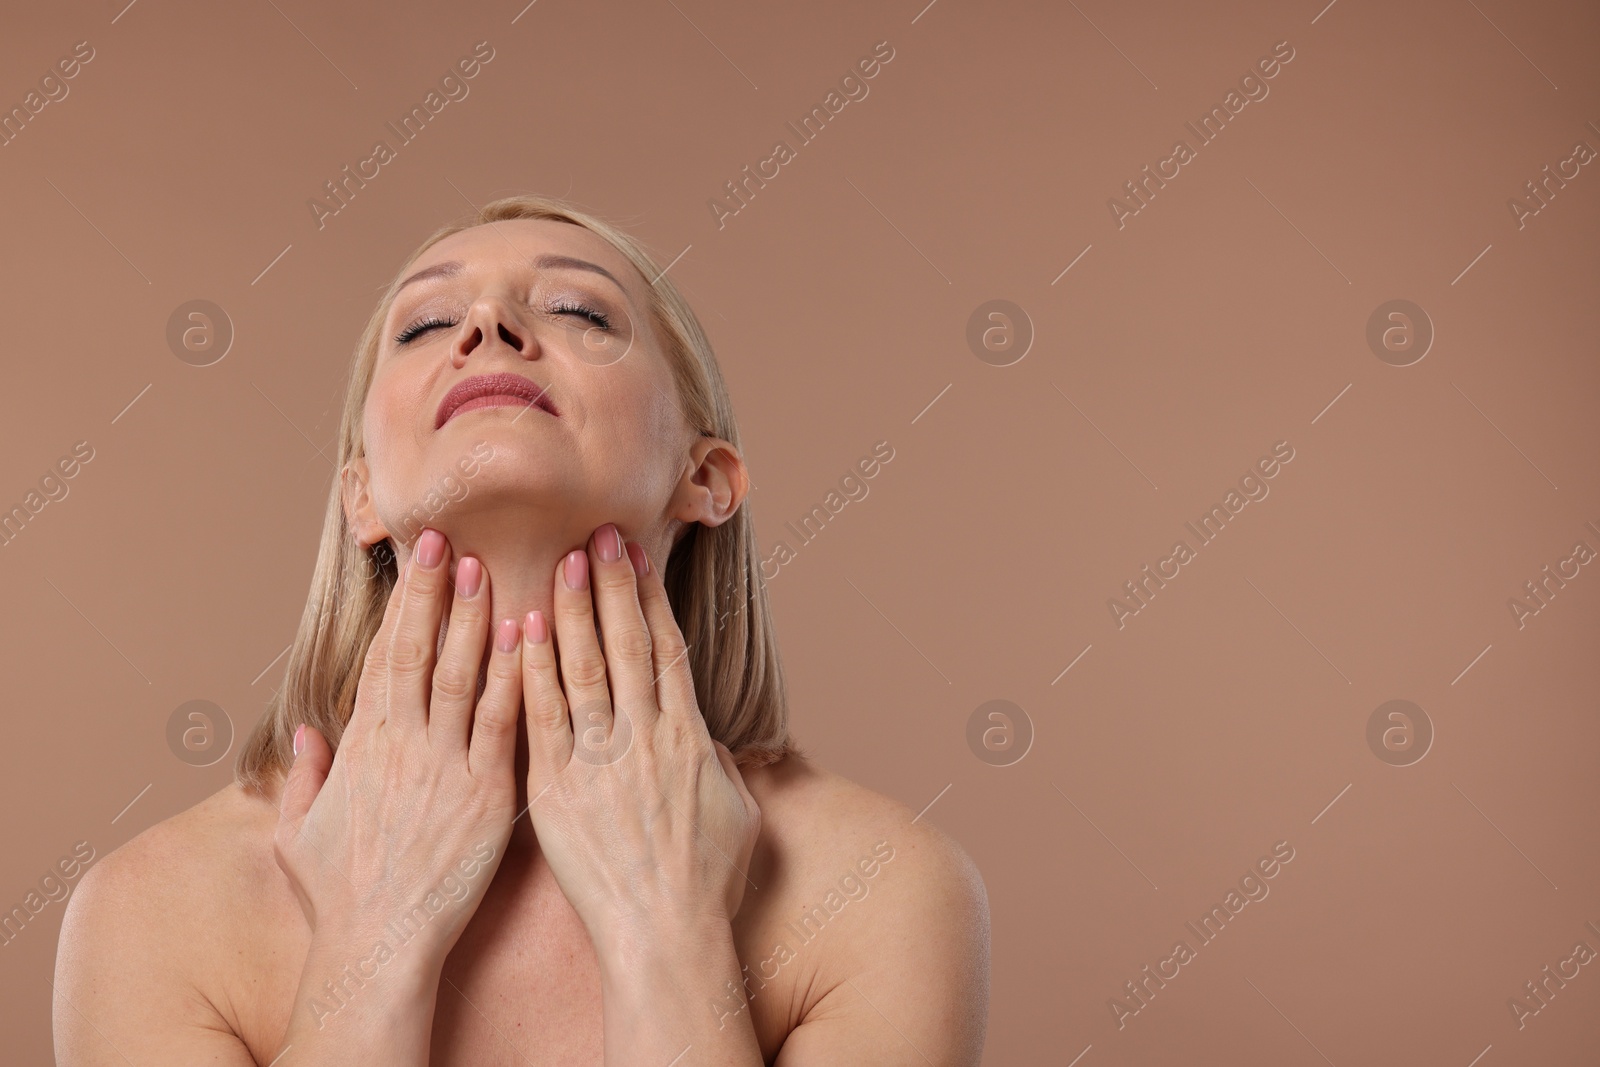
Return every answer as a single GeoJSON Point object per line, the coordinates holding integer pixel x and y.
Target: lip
{"type": "Point", "coordinates": [508, 388]}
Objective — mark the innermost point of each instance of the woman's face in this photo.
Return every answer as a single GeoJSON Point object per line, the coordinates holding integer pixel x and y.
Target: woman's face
{"type": "Point", "coordinates": [529, 341]}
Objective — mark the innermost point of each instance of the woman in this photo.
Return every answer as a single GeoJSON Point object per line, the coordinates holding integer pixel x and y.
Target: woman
{"type": "Point", "coordinates": [565, 823]}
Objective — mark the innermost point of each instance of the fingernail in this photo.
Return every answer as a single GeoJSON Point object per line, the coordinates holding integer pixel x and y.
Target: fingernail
{"type": "Point", "coordinates": [608, 543]}
{"type": "Point", "coordinates": [538, 633]}
{"type": "Point", "coordinates": [469, 574]}
{"type": "Point", "coordinates": [576, 569]}
{"type": "Point", "coordinates": [299, 738]}
{"type": "Point", "coordinates": [641, 562]}
{"type": "Point", "coordinates": [505, 638]}
{"type": "Point", "coordinates": [430, 548]}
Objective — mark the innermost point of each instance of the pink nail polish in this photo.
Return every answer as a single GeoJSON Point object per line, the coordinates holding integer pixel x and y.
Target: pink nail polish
{"type": "Point", "coordinates": [608, 543]}
{"type": "Point", "coordinates": [576, 569]}
{"type": "Point", "coordinates": [641, 562]}
{"type": "Point", "coordinates": [430, 548]}
{"type": "Point", "coordinates": [506, 635]}
{"type": "Point", "coordinates": [536, 629]}
{"type": "Point", "coordinates": [469, 575]}
{"type": "Point", "coordinates": [299, 738]}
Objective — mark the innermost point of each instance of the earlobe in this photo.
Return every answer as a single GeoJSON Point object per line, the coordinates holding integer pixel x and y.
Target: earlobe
{"type": "Point", "coordinates": [358, 511]}
{"type": "Point", "coordinates": [714, 484]}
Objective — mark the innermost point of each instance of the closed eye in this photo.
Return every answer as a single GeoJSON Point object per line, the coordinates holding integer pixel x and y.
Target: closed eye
{"type": "Point", "coordinates": [416, 328]}
{"type": "Point", "coordinates": [599, 318]}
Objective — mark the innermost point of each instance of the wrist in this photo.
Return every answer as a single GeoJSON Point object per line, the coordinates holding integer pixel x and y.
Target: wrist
{"type": "Point", "coordinates": [673, 982]}
{"type": "Point", "coordinates": [365, 954]}
{"type": "Point", "coordinates": [650, 949]}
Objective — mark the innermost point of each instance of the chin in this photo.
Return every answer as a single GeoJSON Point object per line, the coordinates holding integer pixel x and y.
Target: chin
{"type": "Point", "coordinates": [483, 474]}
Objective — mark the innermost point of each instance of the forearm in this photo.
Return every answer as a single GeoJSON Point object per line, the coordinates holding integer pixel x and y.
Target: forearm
{"type": "Point", "coordinates": [368, 993]}
{"type": "Point", "coordinates": [676, 988]}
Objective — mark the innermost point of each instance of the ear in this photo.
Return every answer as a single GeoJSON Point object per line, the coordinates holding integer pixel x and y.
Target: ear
{"type": "Point", "coordinates": [358, 509]}
{"type": "Point", "coordinates": [713, 485]}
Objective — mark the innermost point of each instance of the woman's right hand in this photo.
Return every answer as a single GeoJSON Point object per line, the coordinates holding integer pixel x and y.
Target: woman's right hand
{"type": "Point", "coordinates": [396, 839]}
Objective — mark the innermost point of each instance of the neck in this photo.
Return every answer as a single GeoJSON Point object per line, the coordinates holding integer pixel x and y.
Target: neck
{"type": "Point", "coordinates": [520, 549]}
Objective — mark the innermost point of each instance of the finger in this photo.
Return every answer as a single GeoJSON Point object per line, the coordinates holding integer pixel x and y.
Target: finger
{"type": "Point", "coordinates": [369, 709]}
{"type": "Point", "coordinates": [549, 727]}
{"type": "Point", "coordinates": [494, 722]}
{"type": "Point", "coordinates": [583, 667]}
{"type": "Point", "coordinates": [455, 677]}
{"type": "Point", "coordinates": [670, 654]}
{"type": "Point", "coordinates": [415, 637]}
{"type": "Point", "coordinates": [306, 775]}
{"type": "Point", "coordinates": [624, 635]}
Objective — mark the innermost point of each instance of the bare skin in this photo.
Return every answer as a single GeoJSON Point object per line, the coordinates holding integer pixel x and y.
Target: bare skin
{"type": "Point", "coordinates": [468, 882]}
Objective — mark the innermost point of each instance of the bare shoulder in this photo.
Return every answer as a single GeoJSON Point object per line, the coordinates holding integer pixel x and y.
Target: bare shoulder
{"type": "Point", "coordinates": [193, 863]}
{"type": "Point", "coordinates": [151, 928]}
{"type": "Point", "coordinates": [816, 816]}
{"type": "Point", "coordinates": [883, 915]}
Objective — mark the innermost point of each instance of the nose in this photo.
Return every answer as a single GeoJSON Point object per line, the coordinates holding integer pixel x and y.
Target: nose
{"type": "Point", "coordinates": [491, 323]}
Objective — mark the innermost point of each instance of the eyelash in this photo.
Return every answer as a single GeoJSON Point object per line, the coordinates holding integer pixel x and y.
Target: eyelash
{"type": "Point", "coordinates": [600, 319]}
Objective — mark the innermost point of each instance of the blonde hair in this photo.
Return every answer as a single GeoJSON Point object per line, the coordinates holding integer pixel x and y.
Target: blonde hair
{"type": "Point", "coordinates": [712, 574]}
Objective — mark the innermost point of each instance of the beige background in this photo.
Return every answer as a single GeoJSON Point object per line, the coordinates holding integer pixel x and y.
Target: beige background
{"type": "Point", "coordinates": [1228, 315]}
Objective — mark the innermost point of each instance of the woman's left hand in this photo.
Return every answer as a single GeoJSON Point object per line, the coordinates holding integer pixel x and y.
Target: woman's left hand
{"type": "Point", "coordinates": [643, 818]}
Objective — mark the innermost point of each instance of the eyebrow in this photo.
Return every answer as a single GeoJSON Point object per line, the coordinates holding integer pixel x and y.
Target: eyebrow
{"type": "Point", "coordinates": [549, 261]}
